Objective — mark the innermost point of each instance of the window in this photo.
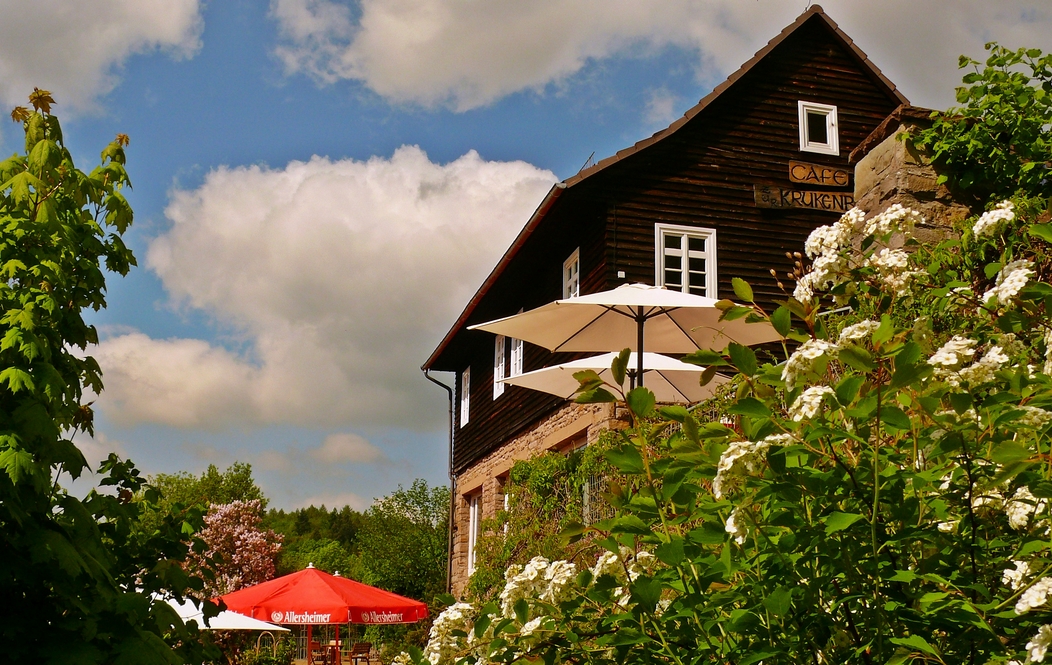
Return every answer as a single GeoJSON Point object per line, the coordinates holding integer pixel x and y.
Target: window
{"type": "Point", "coordinates": [818, 128]}
{"type": "Point", "coordinates": [572, 275]}
{"type": "Point", "coordinates": [499, 354]}
{"type": "Point", "coordinates": [515, 368]}
{"type": "Point", "coordinates": [686, 259]}
{"type": "Point", "coordinates": [465, 395]}
{"type": "Point", "coordinates": [474, 527]}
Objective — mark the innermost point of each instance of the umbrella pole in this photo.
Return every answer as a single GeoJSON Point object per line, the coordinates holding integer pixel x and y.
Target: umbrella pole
{"type": "Point", "coordinates": [640, 320]}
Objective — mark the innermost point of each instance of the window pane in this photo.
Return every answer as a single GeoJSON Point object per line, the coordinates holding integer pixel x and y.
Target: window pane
{"type": "Point", "coordinates": [695, 264]}
{"type": "Point", "coordinates": [816, 127]}
{"type": "Point", "coordinates": [672, 241]}
{"type": "Point", "coordinates": [673, 262]}
{"type": "Point", "coordinates": [696, 244]}
{"type": "Point", "coordinates": [698, 290]}
{"type": "Point", "coordinates": [672, 278]}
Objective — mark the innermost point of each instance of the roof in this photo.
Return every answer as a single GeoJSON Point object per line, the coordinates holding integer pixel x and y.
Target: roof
{"type": "Point", "coordinates": [815, 11]}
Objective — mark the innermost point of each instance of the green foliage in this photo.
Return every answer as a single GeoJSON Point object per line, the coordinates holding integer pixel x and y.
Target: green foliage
{"type": "Point", "coordinates": [212, 486]}
{"type": "Point", "coordinates": [402, 542]}
{"type": "Point", "coordinates": [326, 554]}
{"type": "Point", "coordinates": [282, 653]}
{"type": "Point", "coordinates": [546, 495]}
{"type": "Point", "coordinates": [77, 575]}
{"type": "Point", "coordinates": [999, 143]}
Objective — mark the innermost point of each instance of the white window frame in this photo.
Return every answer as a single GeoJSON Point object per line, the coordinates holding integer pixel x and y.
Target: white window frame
{"type": "Point", "coordinates": [465, 395]}
{"type": "Point", "coordinates": [572, 275]}
{"type": "Point", "coordinates": [499, 363]}
{"type": "Point", "coordinates": [708, 235]}
{"type": "Point", "coordinates": [832, 145]}
{"type": "Point", "coordinates": [515, 366]}
{"type": "Point", "coordinates": [474, 526]}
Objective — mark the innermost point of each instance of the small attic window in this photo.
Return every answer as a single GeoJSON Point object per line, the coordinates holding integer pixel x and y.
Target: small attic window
{"type": "Point", "coordinates": [818, 128]}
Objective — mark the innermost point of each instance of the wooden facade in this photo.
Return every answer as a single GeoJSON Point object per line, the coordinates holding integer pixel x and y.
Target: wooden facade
{"type": "Point", "coordinates": [703, 171]}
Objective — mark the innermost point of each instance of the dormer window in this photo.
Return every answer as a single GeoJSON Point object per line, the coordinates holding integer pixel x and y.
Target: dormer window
{"type": "Point", "coordinates": [572, 275]}
{"type": "Point", "coordinates": [818, 128]}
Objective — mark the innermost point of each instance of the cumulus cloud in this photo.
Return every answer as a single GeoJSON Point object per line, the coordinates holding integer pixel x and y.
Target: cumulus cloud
{"type": "Point", "coordinates": [346, 447]}
{"type": "Point", "coordinates": [75, 49]}
{"type": "Point", "coordinates": [663, 106]}
{"type": "Point", "coordinates": [468, 54]}
{"type": "Point", "coordinates": [340, 276]}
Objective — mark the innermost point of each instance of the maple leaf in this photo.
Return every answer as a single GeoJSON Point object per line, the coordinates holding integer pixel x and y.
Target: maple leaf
{"type": "Point", "coordinates": [41, 100]}
{"type": "Point", "coordinates": [20, 114]}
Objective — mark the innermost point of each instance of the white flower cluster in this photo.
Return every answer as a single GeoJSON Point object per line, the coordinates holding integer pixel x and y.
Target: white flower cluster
{"type": "Point", "coordinates": [991, 221]}
{"type": "Point", "coordinates": [1010, 281]}
{"type": "Point", "coordinates": [736, 526]}
{"type": "Point", "coordinates": [1038, 645]}
{"type": "Point", "coordinates": [979, 372]}
{"type": "Point", "coordinates": [803, 359]}
{"type": "Point", "coordinates": [1016, 577]}
{"type": "Point", "coordinates": [892, 266]}
{"type": "Point", "coordinates": [442, 645]}
{"type": "Point", "coordinates": [743, 457]}
{"type": "Point", "coordinates": [547, 580]}
{"type": "Point", "coordinates": [1048, 352]}
{"type": "Point", "coordinates": [823, 247]}
{"type": "Point", "coordinates": [896, 219]}
{"type": "Point", "coordinates": [857, 331]}
{"type": "Point", "coordinates": [1021, 506]}
{"type": "Point", "coordinates": [1034, 417]}
{"type": "Point", "coordinates": [1035, 596]}
{"type": "Point", "coordinates": [809, 403]}
{"type": "Point", "coordinates": [953, 353]}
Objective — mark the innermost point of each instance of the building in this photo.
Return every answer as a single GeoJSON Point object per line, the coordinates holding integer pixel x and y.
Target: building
{"type": "Point", "coordinates": [725, 191]}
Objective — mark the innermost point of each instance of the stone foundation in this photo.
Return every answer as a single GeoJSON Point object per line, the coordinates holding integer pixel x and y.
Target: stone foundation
{"type": "Point", "coordinates": [572, 425]}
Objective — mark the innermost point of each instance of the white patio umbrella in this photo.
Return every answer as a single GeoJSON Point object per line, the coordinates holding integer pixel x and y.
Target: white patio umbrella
{"type": "Point", "coordinates": [675, 322]}
{"type": "Point", "coordinates": [225, 620]}
{"type": "Point", "coordinates": [669, 379]}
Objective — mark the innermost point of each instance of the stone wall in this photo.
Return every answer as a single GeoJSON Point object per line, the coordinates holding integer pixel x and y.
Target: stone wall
{"type": "Point", "coordinates": [570, 425]}
{"type": "Point", "coordinates": [889, 170]}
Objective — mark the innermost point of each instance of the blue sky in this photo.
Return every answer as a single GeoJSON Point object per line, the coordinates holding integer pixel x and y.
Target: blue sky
{"type": "Point", "coordinates": [320, 185]}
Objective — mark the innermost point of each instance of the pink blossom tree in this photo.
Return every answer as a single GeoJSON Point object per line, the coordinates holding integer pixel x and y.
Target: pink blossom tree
{"type": "Point", "coordinates": [238, 551]}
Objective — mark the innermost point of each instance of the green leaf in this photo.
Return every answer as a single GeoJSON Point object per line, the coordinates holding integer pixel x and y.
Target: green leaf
{"type": "Point", "coordinates": [646, 591]}
{"type": "Point", "coordinates": [597, 396]}
{"type": "Point", "coordinates": [847, 389]}
{"type": "Point", "coordinates": [625, 459]}
{"type": "Point", "coordinates": [779, 601]}
{"type": "Point", "coordinates": [1007, 452]}
{"type": "Point", "coordinates": [522, 610]}
{"type": "Point", "coordinates": [917, 643]}
{"type": "Point", "coordinates": [895, 417]}
{"type": "Point", "coordinates": [17, 379]}
{"type": "Point", "coordinates": [734, 313]}
{"type": "Point", "coordinates": [885, 331]}
{"type": "Point", "coordinates": [640, 401]}
{"type": "Point", "coordinates": [742, 289]}
{"type": "Point", "coordinates": [705, 358]}
{"type": "Point", "coordinates": [671, 552]}
{"type": "Point", "coordinates": [630, 524]}
{"type": "Point", "coordinates": [782, 321]}
{"type": "Point", "coordinates": [1042, 231]}
{"type": "Point", "coordinates": [857, 358]}
{"type": "Point", "coordinates": [620, 366]}
{"type": "Point", "coordinates": [18, 464]}
{"type": "Point", "coordinates": [839, 521]}
{"type": "Point", "coordinates": [743, 358]}
{"type": "Point", "coordinates": [749, 406]}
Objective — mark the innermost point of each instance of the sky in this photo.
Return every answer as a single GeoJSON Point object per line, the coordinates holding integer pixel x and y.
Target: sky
{"type": "Point", "coordinates": [321, 185]}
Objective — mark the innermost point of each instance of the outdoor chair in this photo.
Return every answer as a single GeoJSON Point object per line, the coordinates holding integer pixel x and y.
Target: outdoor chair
{"type": "Point", "coordinates": [360, 652]}
{"type": "Point", "coordinates": [315, 654]}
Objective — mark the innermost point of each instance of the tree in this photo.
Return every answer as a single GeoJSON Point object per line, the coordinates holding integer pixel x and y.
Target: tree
{"type": "Point", "coordinates": [212, 486]}
{"type": "Point", "coordinates": [403, 541]}
{"type": "Point", "coordinates": [77, 575]}
{"type": "Point", "coordinates": [237, 552]}
{"type": "Point", "coordinates": [999, 142]}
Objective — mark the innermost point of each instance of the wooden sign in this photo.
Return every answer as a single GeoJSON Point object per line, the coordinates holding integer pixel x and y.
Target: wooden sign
{"type": "Point", "coordinates": [816, 174]}
{"type": "Point", "coordinates": [776, 197]}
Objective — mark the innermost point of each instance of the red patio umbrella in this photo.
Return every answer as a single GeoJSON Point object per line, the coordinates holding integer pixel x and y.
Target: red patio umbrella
{"type": "Point", "coordinates": [314, 597]}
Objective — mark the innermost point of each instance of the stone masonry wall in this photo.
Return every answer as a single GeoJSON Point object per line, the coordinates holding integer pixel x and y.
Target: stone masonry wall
{"type": "Point", "coordinates": [893, 172]}
{"type": "Point", "coordinates": [571, 423]}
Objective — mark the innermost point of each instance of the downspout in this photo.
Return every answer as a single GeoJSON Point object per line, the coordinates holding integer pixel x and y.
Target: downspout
{"type": "Point", "coordinates": [452, 484]}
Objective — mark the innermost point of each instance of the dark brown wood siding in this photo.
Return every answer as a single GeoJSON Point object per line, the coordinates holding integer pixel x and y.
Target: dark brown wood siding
{"type": "Point", "coordinates": [703, 176]}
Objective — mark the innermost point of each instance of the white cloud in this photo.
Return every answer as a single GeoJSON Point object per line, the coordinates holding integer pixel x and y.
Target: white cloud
{"type": "Point", "coordinates": [347, 447]}
{"type": "Point", "coordinates": [468, 54]}
{"type": "Point", "coordinates": [75, 49]}
{"type": "Point", "coordinates": [341, 276]}
{"type": "Point", "coordinates": [663, 106]}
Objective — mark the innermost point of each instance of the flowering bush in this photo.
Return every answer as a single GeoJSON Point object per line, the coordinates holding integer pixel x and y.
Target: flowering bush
{"type": "Point", "coordinates": [883, 497]}
{"type": "Point", "coordinates": [238, 552]}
